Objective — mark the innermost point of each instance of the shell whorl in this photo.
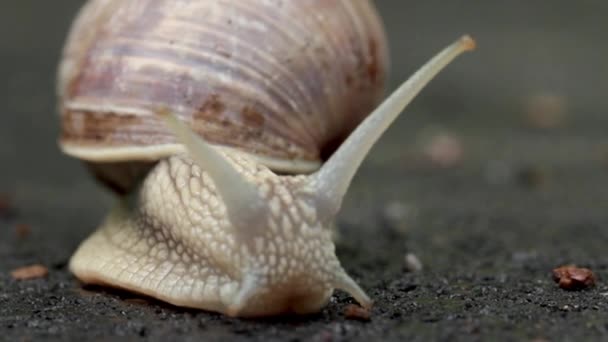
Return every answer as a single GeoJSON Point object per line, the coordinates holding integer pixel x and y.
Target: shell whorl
{"type": "Point", "coordinates": [284, 80]}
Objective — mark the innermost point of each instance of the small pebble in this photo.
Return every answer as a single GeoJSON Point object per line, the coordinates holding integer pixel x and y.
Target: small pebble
{"type": "Point", "coordinates": [532, 177]}
{"type": "Point", "coordinates": [570, 277]}
{"type": "Point", "coordinates": [545, 110]}
{"type": "Point", "coordinates": [22, 230]}
{"type": "Point", "coordinates": [444, 150]}
{"type": "Point", "coordinates": [396, 215]}
{"type": "Point", "coordinates": [30, 272]}
{"type": "Point", "coordinates": [412, 262]}
{"type": "Point", "coordinates": [356, 312]}
{"type": "Point", "coordinates": [5, 205]}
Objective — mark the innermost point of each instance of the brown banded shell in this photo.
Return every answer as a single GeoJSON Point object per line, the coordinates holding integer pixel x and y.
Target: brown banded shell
{"type": "Point", "coordinates": [283, 80]}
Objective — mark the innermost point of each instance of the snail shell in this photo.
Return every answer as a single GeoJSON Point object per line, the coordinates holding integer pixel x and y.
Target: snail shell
{"type": "Point", "coordinates": [283, 81]}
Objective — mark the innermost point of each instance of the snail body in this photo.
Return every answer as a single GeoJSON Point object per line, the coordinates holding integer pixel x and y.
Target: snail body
{"type": "Point", "coordinates": [211, 119]}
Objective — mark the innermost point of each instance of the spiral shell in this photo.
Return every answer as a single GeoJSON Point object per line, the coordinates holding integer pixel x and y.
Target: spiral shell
{"type": "Point", "coordinates": [283, 80]}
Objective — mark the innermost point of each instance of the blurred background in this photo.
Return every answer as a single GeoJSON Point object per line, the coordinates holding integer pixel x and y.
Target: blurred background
{"type": "Point", "coordinates": [493, 176]}
{"type": "Point", "coordinates": [532, 94]}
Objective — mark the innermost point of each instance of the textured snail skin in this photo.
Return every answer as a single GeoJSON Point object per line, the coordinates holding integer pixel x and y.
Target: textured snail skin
{"type": "Point", "coordinates": [176, 243]}
{"type": "Point", "coordinates": [216, 230]}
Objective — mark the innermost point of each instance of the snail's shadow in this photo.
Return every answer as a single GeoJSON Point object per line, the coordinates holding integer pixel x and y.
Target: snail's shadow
{"type": "Point", "coordinates": [136, 301]}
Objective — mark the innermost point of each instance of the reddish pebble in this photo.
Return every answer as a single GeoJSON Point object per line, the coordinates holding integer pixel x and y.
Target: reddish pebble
{"type": "Point", "coordinates": [29, 272]}
{"type": "Point", "coordinates": [545, 110]}
{"type": "Point", "coordinates": [22, 230]}
{"type": "Point", "coordinates": [5, 205]}
{"type": "Point", "coordinates": [353, 311]}
{"type": "Point", "coordinates": [570, 277]}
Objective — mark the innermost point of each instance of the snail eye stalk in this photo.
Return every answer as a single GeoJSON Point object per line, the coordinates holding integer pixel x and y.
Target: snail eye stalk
{"type": "Point", "coordinates": [333, 179]}
{"type": "Point", "coordinates": [244, 204]}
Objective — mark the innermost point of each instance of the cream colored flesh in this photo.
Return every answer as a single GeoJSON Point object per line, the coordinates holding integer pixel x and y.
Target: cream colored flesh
{"type": "Point", "coordinates": [216, 230]}
{"type": "Point", "coordinates": [173, 241]}
{"type": "Point", "coordinates": [157, 152]}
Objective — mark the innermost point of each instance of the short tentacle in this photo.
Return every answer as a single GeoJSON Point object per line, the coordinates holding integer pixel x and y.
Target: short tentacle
{"type": "Point", "coordinates": [246, 209]}
{"type": "Point", "coordinates": [345, 283]}
{"type": "Point", "coordinates": [249, 285]}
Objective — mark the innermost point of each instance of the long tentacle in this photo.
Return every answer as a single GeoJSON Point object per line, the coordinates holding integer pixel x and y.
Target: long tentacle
{"type": "Point", "coordinates": [332, 180]}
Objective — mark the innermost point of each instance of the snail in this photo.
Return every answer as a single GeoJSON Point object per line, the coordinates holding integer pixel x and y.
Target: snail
{"type": "Point", "coordinates": [230, 131]}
